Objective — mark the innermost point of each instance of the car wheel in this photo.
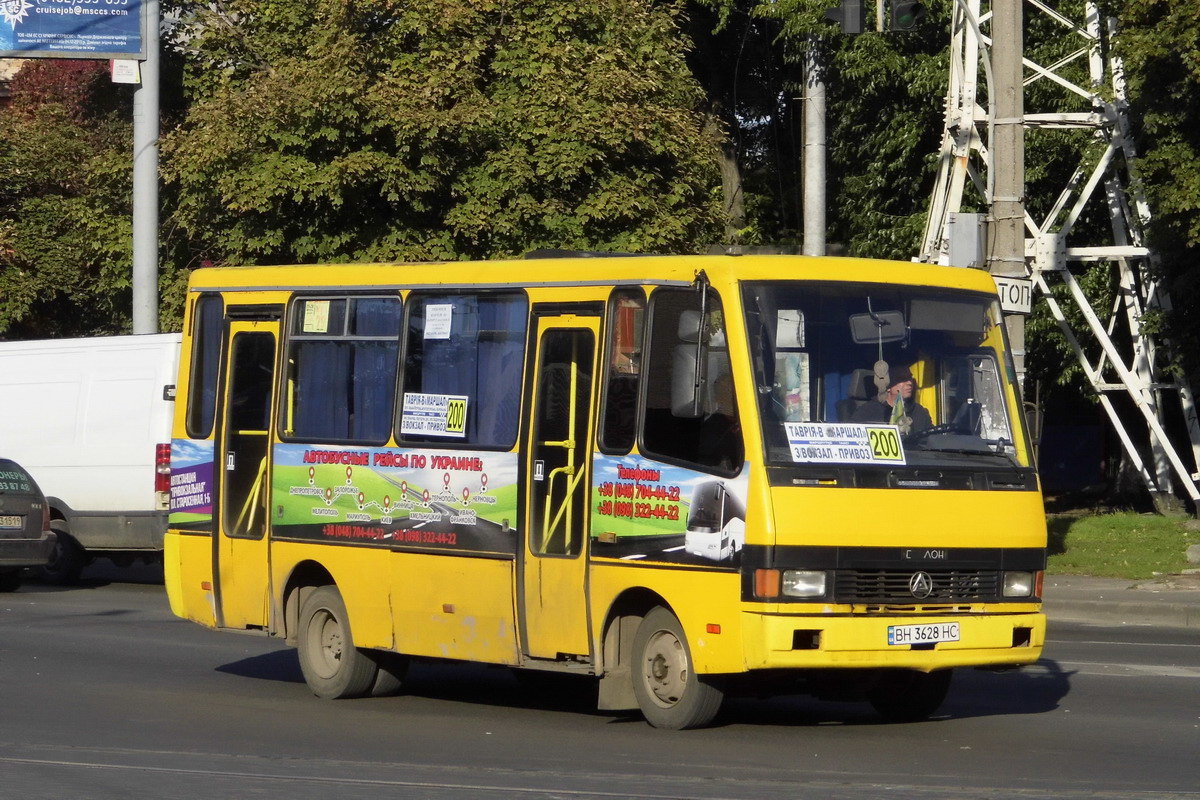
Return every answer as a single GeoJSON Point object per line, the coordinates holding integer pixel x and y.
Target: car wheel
{"type": "Point", "coordinates": [66, 562]}
{"type": "Point", "coordinates": [10, 581]}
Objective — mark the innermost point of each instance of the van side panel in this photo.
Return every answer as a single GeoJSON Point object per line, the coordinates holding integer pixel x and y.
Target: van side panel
{"type": "Point", "coordinates": [84, 417]}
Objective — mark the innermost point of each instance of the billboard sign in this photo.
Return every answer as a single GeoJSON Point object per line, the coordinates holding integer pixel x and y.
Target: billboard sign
{"type": "Point", "coordinates": [99, 29]}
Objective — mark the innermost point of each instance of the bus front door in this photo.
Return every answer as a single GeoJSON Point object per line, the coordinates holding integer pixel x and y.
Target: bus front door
{"type": "Point", "coordinates": [240, 547]}
{"type": "Point", "coordinates": [554, 618]}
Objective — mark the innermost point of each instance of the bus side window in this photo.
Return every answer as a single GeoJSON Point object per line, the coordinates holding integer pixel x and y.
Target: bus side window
{"type": "Point", "coordinates": [207, 327]}
{"type": "Point", "coordinates": [472, 346]}
{"type": "Point", "coordinates": [342, 359]}
{"type": "Point", "coordinates": [708, 436]}
{"type": "Point", "coordinates": [618, 426]}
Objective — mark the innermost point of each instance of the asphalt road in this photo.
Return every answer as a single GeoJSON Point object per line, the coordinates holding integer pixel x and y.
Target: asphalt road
{"type": "Point", "coordinates": [105, 695]}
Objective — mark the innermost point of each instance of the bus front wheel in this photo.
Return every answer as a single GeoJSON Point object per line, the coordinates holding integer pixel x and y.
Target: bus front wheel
{"type": "Point", "coordinates": [333, 667]}
{"type": "Point", "coordinates": [669, 692]}
{"type": "Point", "coordinates": [909, 696]}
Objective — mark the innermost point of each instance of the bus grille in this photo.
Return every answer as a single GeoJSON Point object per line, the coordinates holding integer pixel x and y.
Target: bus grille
{"type": "Point", "coordinates": [874, 585]}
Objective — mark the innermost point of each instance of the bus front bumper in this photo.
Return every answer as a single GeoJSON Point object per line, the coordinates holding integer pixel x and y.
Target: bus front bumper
{"type": "Point", "coordinates": [796, 641]}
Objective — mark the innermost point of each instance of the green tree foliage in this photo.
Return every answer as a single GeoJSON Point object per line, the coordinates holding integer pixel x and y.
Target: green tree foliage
{"type": "Point", "coordinates": [438, 129]}
{"type": "Point", "coordinates": [65, 251]}
{"type": "Point", "coordinates": [1160, 40]}
{"type": "Point", "coordinates": [884, 98]}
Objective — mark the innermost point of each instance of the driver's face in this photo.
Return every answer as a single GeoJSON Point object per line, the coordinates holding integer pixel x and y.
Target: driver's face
{"type": "Point", "coordinates": [904, 389]}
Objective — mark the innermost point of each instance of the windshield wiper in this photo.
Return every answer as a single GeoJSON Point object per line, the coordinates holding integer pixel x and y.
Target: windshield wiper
{"type": "Point", "coordinates": [969, 452]}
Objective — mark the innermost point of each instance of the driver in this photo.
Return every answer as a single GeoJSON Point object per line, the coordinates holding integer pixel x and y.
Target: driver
{"type": "Point", "coordinates": [910, 415]}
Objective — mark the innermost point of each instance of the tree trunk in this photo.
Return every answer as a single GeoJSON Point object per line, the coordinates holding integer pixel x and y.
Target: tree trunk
{"type": "Point", "coordinates": [733, 200]}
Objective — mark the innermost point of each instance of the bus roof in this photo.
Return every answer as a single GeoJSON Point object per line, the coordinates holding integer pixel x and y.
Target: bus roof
{"type": "Point", "coordinates": [662, 270]}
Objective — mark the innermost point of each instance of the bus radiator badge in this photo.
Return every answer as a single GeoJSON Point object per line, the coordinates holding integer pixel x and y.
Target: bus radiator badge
{"type": "Point", "coordinates": [920, 585]}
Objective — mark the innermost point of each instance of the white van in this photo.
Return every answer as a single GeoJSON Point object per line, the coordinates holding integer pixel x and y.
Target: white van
{"type": "Point", "coordinates": [90, 419]}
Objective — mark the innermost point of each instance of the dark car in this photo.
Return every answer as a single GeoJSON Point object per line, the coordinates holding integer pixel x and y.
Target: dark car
{"type": "Point", "coordinates": [25, 536]}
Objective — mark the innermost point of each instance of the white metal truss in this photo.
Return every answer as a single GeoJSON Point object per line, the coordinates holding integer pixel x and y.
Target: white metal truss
{"type": "Point", "coordinates": [1133, 361]}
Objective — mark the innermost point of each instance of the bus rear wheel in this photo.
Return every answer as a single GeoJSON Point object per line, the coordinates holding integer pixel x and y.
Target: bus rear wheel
{"type": "Point", "coordinates": [909, 696]}
{"type": "Point", "coordinates": [333, 667]}
{"type": "Point", "coordinates": [669, 692]}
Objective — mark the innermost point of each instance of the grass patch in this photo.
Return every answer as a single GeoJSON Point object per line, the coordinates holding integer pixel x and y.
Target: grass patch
{"type": "Point", "coordinates": [1120, 545]}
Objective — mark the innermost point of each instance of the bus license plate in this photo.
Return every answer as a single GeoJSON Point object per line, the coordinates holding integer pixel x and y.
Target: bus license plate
{"type": "Point", "coordinates": [12, 521]}
{"type": "Point", "coordinates": [923, 634]}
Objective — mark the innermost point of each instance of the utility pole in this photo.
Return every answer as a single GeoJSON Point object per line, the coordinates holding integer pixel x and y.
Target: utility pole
{"type": "Point", "coordinates": [814, 153]}
{"type": "Point", "coordinates": [1006, 228]}
{"type": "Point", "coordinates": [145, 181]}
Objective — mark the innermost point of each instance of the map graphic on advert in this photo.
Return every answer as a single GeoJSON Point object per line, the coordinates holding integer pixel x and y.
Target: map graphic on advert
{"type": "Point", "coordinates": [459, 500]}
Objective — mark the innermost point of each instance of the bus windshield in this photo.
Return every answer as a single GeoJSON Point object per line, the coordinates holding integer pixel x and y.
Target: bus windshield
{"type": "Point", "coordinates": [881, 374]}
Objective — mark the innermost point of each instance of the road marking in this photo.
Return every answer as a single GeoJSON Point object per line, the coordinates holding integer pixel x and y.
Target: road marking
{"type": "Point", "coordinates": [1122, 670]}
{"type": "Point", "coordinates": [688, 787]}
{"type": "Point", "coordinates": [1131, 644]}
{"type": "Point", "coordinates": [673, 549]}
{"type": "Point", "coordinates": [267, 776]}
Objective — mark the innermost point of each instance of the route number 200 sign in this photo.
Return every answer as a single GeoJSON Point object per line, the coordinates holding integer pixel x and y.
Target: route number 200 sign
{"type": "Point", "coordinates": [836, 443]}
{"type": "Point", "coordinates": [456, 416]}
{"type": "Point", "coordinates": [885, 443]}
{"type": "Point", "coordinates": [434, 415]}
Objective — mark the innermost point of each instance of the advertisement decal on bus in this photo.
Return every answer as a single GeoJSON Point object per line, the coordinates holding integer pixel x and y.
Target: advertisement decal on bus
{"type": "Point", "coordinates": [191, 483]}
{"type": "Point", "coordinates": [461, 500]}
{"type": "Point", "coordinates": [646, 510]}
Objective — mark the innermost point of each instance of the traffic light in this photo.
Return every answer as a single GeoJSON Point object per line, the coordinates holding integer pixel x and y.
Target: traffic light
{"type": "Point", "coordinates": [851, 16]}
{"type": "Point", "coordinates": [906, 14]}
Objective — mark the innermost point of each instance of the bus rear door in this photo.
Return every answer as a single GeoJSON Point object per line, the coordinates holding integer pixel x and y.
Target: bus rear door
{"type": "Point", "coordinates": [554, 560]}
{"type": "Point", "coordinates": [240, 546]}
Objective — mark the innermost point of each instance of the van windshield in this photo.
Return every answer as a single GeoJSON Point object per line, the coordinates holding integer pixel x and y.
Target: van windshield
{"type": "Point", "coordinates": [881, 374]}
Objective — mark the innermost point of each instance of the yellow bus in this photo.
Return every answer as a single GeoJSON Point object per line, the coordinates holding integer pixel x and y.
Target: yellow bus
{"type": "Point", "coordinates": [681, 475]}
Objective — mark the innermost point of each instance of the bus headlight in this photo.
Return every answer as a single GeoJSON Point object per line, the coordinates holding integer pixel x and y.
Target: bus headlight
{"type": "Point", "coordinates": [1018, 584]}
{"type": "Point", "coordinates": [803, 583]}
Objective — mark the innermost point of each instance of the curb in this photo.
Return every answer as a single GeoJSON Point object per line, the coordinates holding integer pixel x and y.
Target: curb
{"type": "Point", "coordinates": [1170, 601]}
{"type": "Point", "coordinates": [1119, 613]}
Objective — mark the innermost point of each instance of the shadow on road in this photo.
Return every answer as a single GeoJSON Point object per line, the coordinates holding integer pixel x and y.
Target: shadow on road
{"type": "Point", "coordinates": [278, 665]}
{"type": "Point", "coordinates": [100, 573]}
{"type": "Point", "coordinates": [1034, 690]}
{"type": "Point", "coordinates": [480, 684]}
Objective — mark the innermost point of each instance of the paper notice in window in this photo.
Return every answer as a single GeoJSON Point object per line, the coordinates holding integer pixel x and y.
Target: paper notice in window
{"type": "Point", "coordinates": [316, 316]}
{"type": "Point", "coordinates": [438, 319]}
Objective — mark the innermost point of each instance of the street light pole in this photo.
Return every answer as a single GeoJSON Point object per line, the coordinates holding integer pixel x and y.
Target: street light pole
{"type": "Point", "coordinates": [145, 180]}
{"type": "Point", "coordinates": [814, 153]}
{"type": "Point", "coordinates": [1006, 228]}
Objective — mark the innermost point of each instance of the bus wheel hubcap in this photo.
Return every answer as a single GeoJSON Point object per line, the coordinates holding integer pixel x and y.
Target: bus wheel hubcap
{"type": "Point", "coordinates": [327, 643]}
{"type": "Point", "coordinates": [665, 668]}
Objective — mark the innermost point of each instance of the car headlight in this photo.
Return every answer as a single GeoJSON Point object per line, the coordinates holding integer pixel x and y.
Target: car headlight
{"type": "Point", "coordinates": [803, 583]}
{"type": "Point", "coordinates": [1018, 584]}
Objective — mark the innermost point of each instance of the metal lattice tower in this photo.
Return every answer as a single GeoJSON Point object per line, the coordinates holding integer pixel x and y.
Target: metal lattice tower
{"type": "Point", "coordinates": [1107, 173]}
